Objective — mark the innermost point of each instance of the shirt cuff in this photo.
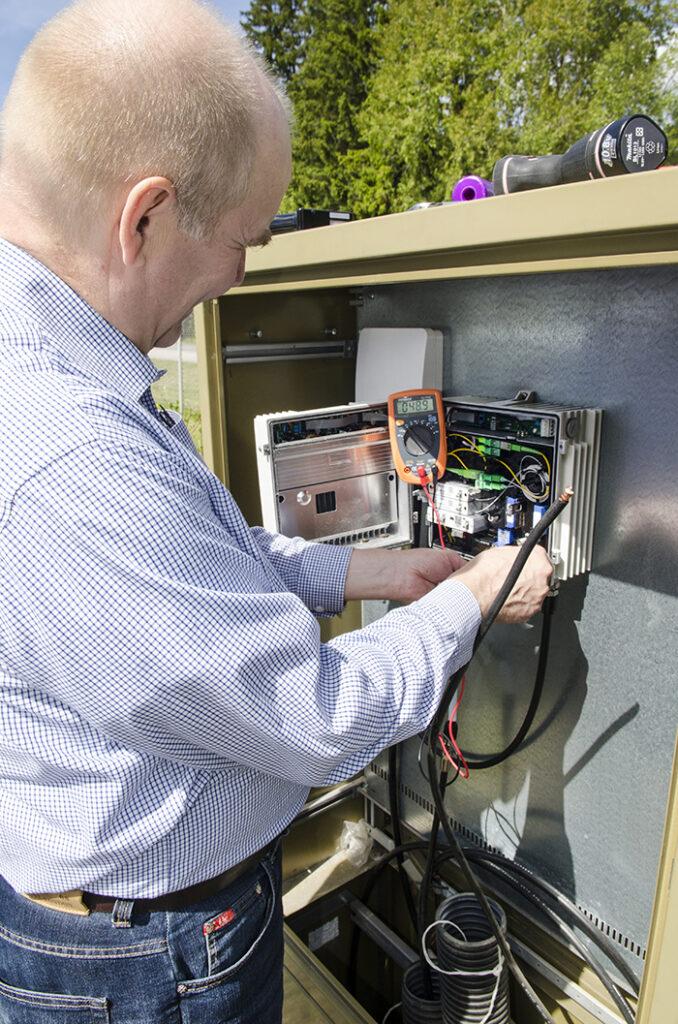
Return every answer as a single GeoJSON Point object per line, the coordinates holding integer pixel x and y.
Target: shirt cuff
{"type": "Point", "coordinates": [453, 609]}
{"type": "Point", "coordinates": [322, 577]}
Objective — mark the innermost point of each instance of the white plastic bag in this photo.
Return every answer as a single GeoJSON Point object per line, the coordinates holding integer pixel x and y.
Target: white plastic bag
{"type": "Point", "coordinates": [356, 842]}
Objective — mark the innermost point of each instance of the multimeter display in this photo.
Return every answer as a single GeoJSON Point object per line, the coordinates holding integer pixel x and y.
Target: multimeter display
{"type": "Point", "coordinates": [405, 406]}
{"type": "Point", "coordinates": [416, 423]}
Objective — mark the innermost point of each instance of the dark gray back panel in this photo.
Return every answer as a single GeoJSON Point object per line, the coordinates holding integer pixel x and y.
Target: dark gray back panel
{"type": "Point", "coordinates": [584, 801]}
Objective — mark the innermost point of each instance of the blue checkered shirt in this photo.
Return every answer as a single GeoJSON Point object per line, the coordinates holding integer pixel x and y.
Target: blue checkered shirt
{"type": "Point", "coordinates": [165, 700]}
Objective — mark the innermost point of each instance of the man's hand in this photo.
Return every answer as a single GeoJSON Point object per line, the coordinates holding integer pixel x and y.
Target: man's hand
{"type": "Point", "coordinates": [485, 574]}
{"type": "Point", "coordinates": [398, 575]}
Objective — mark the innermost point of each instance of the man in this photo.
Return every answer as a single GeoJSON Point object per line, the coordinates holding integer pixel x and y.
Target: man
{"type": "Point", "coordinates": [165, 699]}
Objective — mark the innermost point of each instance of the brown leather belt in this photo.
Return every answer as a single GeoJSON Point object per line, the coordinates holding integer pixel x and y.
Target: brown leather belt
{"type": "Point", "coordinates": [83, 902]}
{"type": "Point", "coordinates": [183, 898]}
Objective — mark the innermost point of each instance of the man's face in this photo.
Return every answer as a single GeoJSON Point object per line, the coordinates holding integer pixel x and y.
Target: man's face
{"type": "Point", "coordinates": [204, 270]}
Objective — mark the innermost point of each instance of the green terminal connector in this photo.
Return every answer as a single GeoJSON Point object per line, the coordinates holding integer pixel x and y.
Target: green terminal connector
{"type": "Point", "coordinates": [486, 481]}
{"type": "Point", "coordinates": [490, 447]}
{"type": "Point", "coordinates": [490, 482]}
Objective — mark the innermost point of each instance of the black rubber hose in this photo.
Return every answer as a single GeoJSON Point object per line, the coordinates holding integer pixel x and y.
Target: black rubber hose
{"type": "Point", "coordinates": [585, 954]}
{"type": "Point", "coordinates": [502, 871]}
{"type": "Point", "coordinates": [420, 1006]}
{"type": "Point", "coordinates": [492, 760]}
{"type": "Point", "coordinates": [394, 755]}
{"type": "Point", "coordinates": [602, 941]}
{"type": "Point", "coordinates": [436, 727]}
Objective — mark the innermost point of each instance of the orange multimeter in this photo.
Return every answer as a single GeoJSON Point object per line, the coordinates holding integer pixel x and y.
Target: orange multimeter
{"type": "Point", "coordinates": [416, 426]}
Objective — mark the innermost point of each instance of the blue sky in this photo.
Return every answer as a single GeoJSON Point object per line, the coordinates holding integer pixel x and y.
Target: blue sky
{"type": "Point", "coordinates": [19, 20]}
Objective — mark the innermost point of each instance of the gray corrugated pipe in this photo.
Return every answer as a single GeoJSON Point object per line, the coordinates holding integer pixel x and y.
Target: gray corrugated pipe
{"type": "Point", "coordinates": [416, 1008]}
{"type": "Point", "coordinates": [474, 988]}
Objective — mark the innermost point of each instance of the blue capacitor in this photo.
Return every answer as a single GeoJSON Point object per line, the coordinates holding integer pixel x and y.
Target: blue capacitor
{"type": "Point", "coordinates": [505, 537]}
{"type": "Point", "coordinates": [512, 513]}
{"type": "Point", "coordinates": [537, 512]}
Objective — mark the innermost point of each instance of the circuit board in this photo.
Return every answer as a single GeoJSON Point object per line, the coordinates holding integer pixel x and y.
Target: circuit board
{"type": "Point", "coordinates": [499, 477]}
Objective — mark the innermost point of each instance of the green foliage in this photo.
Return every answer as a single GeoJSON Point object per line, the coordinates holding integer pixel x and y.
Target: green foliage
{"type": "Point", "coordinates": [460, 84]}
{"type": "Point", "coordinates": [668, 76]}
{"type": "Point", "coordinates": [275, 29]}
{"type": "Point", "coordinates": [327, 92]}
{"type": "Point", "coordinates": [394, 102]}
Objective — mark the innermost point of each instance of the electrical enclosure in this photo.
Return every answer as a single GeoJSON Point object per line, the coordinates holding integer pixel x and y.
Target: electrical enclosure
{"type": "Point", "coordinates": [329, 475]}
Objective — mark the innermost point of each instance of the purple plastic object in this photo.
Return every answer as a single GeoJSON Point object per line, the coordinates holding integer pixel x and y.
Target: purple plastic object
{"type": "Point", "coordinates": [471, 187]}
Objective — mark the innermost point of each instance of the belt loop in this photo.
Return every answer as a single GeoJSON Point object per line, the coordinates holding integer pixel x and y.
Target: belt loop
{"type": "Point", "coordinates": [121, 916]}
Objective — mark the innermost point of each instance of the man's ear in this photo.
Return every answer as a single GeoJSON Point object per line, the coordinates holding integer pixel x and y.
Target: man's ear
{"type": "Point", "coordinates": [149, 199]}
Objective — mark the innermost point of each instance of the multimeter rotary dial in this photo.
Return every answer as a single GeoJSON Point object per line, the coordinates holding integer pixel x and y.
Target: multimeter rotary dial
{"type": "Point", "coordinates": [419, 440]}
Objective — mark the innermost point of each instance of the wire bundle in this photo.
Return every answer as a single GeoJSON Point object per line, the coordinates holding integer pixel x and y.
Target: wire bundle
{"type": "Point", "coordinates": [545, 898]}
{"type": "Point", "coordinates": [481, 447]}
{"type": "Point", "coordinates": [490, 918]}
{"type": "Point", "coordinates": [437, 789]}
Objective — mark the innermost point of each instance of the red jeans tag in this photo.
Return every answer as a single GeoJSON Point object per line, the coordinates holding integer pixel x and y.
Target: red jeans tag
{"type": "Point", "coordinates": [218, 922]}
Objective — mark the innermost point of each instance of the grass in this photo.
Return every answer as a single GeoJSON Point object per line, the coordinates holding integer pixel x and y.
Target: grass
{"type": "Point", "coordinates": [166, 393]}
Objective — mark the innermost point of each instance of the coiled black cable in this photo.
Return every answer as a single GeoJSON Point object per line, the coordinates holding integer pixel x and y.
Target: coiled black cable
{"type": "Point", "coordinates": [615, 994]}
{"type": "Point", "coordinates": [530, 880]}
{"type": "Point", "coordinates": [474, 985]}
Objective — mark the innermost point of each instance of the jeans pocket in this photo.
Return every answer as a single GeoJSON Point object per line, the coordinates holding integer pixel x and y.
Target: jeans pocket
{"type": "Point", "coordinates": [21, 1006]}
{"type": "Point", "coordinates": [232, 936]}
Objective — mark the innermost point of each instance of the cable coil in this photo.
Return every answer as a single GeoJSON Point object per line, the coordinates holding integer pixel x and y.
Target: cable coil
{"type": "Point", "coordinates": [475, 985]}
{"type": "Point", "coordinates": [416, 1007]}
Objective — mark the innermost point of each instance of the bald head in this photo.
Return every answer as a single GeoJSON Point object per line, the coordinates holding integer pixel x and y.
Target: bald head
{"type": "Point", "coordinates": [111, 92]}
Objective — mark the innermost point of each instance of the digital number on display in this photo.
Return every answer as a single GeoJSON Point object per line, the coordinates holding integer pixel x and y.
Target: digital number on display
{"type": "Point", "coordinates": [404, 406]}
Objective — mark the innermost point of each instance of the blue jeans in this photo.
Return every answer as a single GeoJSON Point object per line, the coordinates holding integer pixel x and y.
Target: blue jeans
{"type": "Point", "coordinates": [167, 968]}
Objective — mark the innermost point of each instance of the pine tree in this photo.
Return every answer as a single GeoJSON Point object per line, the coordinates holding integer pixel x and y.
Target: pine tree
{"type": "Point", "coordinates": [275, 29]}
{"type": "Point", "coordinates": [327, 92]}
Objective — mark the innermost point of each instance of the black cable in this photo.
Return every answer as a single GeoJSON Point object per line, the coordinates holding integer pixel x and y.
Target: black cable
{"type": "Point", "coordinates": [491, 760]}
{"type": "Point", "coordinates": [583, 923]}
{"type": "Point", "coordinates": [473, 885]}
{"type": "Point", "coordinates": [436, 727]}
{"type": "Point", "coordinates": [530, 542]}
{"type": "Point", "coordinates": [394, 755]}
{"type": "Point", "coordinates": [424, 891]}
{"type": "Point", "coordinates": [529, 882]}
{"type": "Point", "coordinates": [589, 959]}
{"type": "Point", "coordinates": [378, 868]}
{"type": "Point", "coordinates": [427, 880]}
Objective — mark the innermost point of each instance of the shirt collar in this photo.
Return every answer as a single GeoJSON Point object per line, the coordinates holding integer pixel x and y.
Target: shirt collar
{"type": "Point", "coordinates": [87, 341]}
